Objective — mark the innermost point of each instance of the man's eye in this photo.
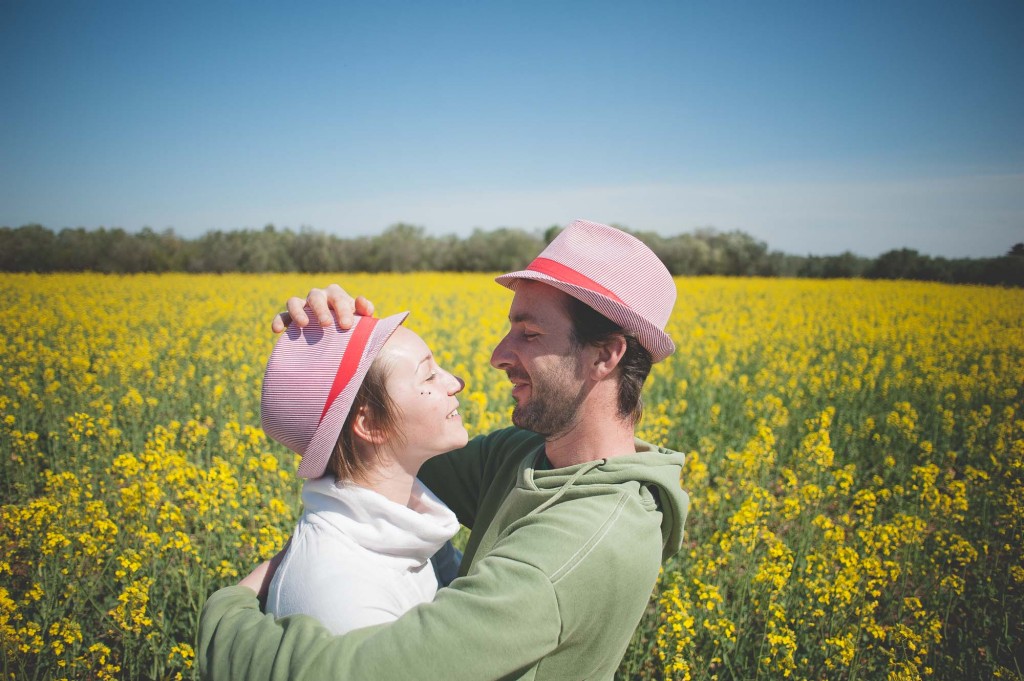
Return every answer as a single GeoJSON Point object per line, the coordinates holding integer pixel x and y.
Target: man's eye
{"type": "Point", "coordinates": [530, 336]}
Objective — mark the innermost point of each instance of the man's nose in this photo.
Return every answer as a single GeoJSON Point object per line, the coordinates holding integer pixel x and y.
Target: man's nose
{"type": "Point", "coordinates": [500, 358]}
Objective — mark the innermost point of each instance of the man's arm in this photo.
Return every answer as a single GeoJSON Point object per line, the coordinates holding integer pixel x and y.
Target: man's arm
{"type": "Point", "coordinates": [498, 621]}
{"type": "Point", "coordinates": [321, 301]}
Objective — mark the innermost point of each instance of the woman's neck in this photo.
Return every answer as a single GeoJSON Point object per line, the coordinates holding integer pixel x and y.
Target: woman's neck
{"type": "Point", "coordinates": [389, 479]}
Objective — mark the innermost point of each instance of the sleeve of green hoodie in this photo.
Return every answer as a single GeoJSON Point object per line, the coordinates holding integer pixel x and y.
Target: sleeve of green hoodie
{"type": "Point", "coordinates": [506, 607]}
{"type": "Point", "coordinates": [478, 629]}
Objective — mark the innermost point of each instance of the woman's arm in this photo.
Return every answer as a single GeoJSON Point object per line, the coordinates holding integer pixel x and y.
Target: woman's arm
{"type": "Point", "coordinates": [259, 579]}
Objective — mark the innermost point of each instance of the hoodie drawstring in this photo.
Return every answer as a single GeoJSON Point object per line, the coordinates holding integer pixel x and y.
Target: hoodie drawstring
{"type": "Point", "coordinates": [589, 466]}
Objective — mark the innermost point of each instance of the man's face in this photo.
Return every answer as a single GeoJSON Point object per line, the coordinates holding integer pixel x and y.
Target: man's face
{"type": "Point", "coordinates": [541, 360]}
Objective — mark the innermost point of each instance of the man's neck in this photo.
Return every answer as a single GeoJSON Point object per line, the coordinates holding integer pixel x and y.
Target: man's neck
{"type": "Point", "coordinates": [589, 440]}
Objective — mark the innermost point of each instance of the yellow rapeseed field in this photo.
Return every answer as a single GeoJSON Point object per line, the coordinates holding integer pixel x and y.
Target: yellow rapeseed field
{"type": "Point", "coordinates": [855, 458]}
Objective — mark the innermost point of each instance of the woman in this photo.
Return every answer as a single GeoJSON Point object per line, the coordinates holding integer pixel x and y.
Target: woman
{"type": "Point", "coordinates": [365, 407]}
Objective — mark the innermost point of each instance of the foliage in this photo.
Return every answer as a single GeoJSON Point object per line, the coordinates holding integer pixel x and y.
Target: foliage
{"type": "Point", "coordinates": [855, 460]}
{"type": "Point", "coordinates": [408, 248]}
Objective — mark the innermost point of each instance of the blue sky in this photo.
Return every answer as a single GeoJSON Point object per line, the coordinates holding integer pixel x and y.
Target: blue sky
{"type": "Point", "coordinates": [817, 127]}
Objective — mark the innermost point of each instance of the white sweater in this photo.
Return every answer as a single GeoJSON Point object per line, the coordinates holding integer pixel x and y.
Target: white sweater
{"type": "Point", "coordinates": [357, 558]}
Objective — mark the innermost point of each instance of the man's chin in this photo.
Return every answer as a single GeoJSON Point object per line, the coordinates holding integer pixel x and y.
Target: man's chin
{"type": "Point", "coordinates": [520, 419]}
{"type": "Point", "coordinates": [527, 421]}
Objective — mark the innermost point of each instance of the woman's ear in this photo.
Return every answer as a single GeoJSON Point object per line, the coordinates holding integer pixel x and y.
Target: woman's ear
{"type": "Point", "coordinates": [364, 429]}
{"type": "Point", "coordinates": [607, 356]}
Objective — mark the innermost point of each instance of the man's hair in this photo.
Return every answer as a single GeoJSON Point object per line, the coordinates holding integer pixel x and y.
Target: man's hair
{"type": "Point", "coordinates": [382, 415]}
{"type": "Point", "coordinates": [590, 327]}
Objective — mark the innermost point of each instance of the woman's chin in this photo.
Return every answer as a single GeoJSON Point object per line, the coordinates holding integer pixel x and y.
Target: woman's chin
{"type": "Point", "coordinates": [462, 441]}
{"type": "Point", "coordinates": [456, 442]}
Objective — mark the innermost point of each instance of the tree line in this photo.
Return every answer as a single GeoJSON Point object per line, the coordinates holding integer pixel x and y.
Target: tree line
{"type": "Point", "coordinates": [405, 248]}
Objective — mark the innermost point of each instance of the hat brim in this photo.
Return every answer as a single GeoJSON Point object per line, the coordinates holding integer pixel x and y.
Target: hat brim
{"type": "Point", "coordinates": [653, 339]}
{"type": "Point", "coordinates": [321, 445]}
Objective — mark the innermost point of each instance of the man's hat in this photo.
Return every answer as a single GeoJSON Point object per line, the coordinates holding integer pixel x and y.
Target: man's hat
{"type": "Point", "coordinates": [311, 380]}
{"type": "Point", "coordinates": [614, 273]}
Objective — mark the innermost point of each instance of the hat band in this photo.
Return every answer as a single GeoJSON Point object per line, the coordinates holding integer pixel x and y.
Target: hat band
{"type": "Point", "coordinates": [568, 275]}
{"type": "Point", "coordinates": [350, 360]}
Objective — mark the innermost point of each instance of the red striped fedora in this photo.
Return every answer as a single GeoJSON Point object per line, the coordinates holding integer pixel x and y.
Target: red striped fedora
{"type": "Point", "coordinates": [311, 380]}
{"type": "Point", "coordinates": [614, 273]}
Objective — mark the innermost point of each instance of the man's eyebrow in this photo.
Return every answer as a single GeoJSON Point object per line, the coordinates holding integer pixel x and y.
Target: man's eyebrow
{"type": "Point", "coordinates": [521, 317]}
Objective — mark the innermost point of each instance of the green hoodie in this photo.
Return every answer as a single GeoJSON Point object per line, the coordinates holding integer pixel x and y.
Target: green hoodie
{"type": "Point", "coordinates": [556, 575]}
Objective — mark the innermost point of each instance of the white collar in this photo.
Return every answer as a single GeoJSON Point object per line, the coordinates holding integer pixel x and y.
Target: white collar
{"type": "Point", "coordinates": [378, 524]}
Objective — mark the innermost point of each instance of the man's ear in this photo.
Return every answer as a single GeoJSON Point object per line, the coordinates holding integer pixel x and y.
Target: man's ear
{"type": "Point", "coordinates": [364, 429]}
{"type": "Point", "coordinates": [607, 356]}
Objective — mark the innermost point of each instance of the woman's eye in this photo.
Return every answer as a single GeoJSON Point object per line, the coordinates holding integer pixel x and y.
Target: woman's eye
{"type": "Point", "coordinates": [432, 376]}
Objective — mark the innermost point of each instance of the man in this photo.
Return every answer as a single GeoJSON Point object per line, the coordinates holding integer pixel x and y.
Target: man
{"type": "Point", "coordinates": [570, 515]}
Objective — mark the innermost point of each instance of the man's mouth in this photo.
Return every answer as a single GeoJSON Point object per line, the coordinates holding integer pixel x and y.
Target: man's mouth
{"type": "Point", "coordinates": [520, 386]}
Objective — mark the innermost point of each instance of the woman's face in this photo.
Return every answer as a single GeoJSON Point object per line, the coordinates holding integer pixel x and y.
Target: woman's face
{"type": "Point", "coordinates": [425, 395]}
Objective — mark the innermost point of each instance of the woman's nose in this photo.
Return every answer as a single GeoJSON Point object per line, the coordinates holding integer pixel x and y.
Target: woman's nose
{"type": "Point", "coordinates": [455, 385]}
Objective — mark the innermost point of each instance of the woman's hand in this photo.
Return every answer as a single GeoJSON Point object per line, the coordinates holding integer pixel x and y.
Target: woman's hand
{"type": "Point", "coordinates": [259, 579]}
{"type": "Point", "coordinates": [321, 301]}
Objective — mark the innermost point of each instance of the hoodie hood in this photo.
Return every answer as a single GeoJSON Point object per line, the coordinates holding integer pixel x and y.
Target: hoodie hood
{"type": "Point", "coordinates": [654, 470]}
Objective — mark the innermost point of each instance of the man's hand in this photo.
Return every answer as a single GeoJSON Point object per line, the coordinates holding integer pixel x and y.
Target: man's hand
{"type": "Point", "coordinates": [321, 301]}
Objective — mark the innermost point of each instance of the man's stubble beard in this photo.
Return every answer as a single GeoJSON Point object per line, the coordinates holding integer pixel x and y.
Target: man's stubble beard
{"type": "Point", "coordinates": [555, 400]}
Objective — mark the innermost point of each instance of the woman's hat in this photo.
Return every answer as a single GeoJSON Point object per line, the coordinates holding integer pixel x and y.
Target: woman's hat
{"type": "Point", "coordinates": [311, 380]}
{"type": "Point", "coordinates": [613, 272]}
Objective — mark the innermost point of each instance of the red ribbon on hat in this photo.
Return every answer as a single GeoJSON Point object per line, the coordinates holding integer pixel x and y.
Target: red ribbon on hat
{"type": "Point", "coordinates": [561, 272]}
{"type": "Point", "coordinates": [350, 360]}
